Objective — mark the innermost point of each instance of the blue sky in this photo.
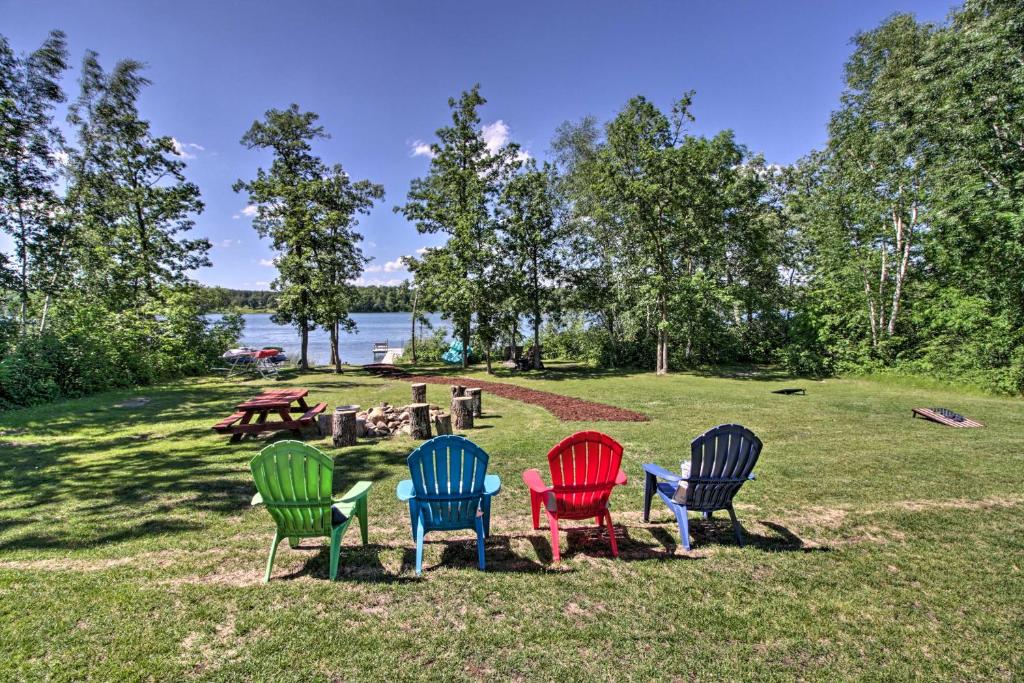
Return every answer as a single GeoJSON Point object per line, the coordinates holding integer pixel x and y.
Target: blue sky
{"type": "Point", "coordinates": [380, 73]}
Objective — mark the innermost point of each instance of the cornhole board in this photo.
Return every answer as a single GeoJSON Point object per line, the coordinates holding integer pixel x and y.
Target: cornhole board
{"type": "Point", "coordinates": [945, 417]}
{"type": "Point", "coordinates": [790, 391]}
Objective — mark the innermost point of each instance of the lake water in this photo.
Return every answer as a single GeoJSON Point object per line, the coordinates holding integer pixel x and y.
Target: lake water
{"type": "Point", "coordinates": [356, 347]}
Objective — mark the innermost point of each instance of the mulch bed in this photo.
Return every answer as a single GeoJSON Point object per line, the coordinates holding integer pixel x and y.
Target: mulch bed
{"type": "Point", "coordinates": [565, 408]}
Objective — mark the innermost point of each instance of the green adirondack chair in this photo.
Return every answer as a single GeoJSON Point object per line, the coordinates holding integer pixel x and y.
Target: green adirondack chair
{"type": "Point", "coordinates": [294, 481]}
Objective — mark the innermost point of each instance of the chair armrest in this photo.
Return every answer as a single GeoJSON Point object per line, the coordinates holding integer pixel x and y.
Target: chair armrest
{"type": "Point", "coordinates": [492, 484]}
{"type": "Point", "coordinates": [405, 490]}
{"type": "Point", "coordinates": [620, 478]}
{"type": "Point", "coordinates": [533, 482]}
{"type": "Point", "coordinates": [256, 500]}
{"type": "Point", "coordinates": [661, 473]}
{"type": "Point", "coordinates": [360, 489]}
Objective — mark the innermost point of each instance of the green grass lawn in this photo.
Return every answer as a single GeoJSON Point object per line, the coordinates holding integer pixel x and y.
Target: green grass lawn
{"type": "Point", "coordinates": [879, 547]}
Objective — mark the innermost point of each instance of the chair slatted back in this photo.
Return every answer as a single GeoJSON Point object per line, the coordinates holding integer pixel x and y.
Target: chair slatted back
{"type": "Point", "coordinates": [295, 482]}
{"type": "Point", "coordinates": [448, 475]}
{"type": "Point", "coordinates": [583, 470]}
{"type": "Point", "coordinates": [721, 460]}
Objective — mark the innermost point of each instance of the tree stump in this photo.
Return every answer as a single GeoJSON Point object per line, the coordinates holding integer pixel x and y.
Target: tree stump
{"type": "Point", "coordinates": [462, 412]}
{"type": "Point", "coordinates": [325, 423]}
{"type": "Point", "coordinates": [457, 392]}
{"type": "Point", "coordinates": [344, 427]}
{"type": "Point", "coordinates": [477, 396]}
{"type": "Point", "coordinates": [419, 393]}
{"type": "Point", "coordinates": [443, 424]}
{"type": "Point", "coordinates": [419, 420]}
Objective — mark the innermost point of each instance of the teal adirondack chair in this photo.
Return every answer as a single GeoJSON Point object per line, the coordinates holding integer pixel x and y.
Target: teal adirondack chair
{"type": "Point", "coordinates": [450, 489]}
{"type": "Point", "coordinates": [293, 480]}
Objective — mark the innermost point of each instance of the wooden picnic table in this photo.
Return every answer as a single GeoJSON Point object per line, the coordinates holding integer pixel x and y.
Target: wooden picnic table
{"type": "Point", "coordinates": [251, 417]}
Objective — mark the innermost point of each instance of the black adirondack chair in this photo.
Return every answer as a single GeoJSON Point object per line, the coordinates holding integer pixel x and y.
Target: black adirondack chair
{"type": "Point", "coordinates": [721, 460]}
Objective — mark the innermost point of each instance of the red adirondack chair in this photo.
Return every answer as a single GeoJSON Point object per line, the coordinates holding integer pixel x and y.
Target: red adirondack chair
{"type": "Point", "coordinates": [584, 469]}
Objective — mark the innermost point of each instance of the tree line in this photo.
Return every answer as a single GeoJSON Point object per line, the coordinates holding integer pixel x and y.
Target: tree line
{"type": "Point", "coordinates": [364, 299]}
{"type": "Point", "coordinates": [899, 245]}
{"type": "Point", "coordinates": [95, 293]}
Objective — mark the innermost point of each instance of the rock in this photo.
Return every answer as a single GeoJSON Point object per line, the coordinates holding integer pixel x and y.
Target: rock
{"type": "Point", "coordinates": [133, 402]}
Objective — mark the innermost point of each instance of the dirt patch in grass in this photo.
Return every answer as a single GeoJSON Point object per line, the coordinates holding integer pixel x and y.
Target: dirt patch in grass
{"type": "Point", "coordinates": [565, 408]}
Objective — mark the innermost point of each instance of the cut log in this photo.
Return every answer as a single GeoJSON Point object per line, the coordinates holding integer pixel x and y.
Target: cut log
{"type": "Point", "coordinates": [419, 422]}
{"type": "Point", "coordinates": [442, 424]}
{"type": "Point", "coordinates": [325, 424]}
{"type": "Point", "coordinates": [344, 427]}
{"type": "Point", "coordinates": [462, 412]}
{"type": "Point", "coordinates": [419, 393]}
{"type": "Point", "coordinates": [477, 396]}
{"type": "Point", "coordinates": [458, 391]}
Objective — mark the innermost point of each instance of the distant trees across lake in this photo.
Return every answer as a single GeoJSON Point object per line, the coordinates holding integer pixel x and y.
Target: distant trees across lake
{"type": "Point", "coordinates": [364, 299]}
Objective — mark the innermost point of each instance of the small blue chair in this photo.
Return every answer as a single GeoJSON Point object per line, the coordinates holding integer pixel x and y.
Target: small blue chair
{"type": "Point", "coordinates": [721, 460]}
{"type": "Point", "coordinates": [450, 489]}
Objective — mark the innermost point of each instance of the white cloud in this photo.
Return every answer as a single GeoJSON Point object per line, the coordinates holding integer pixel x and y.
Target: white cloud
{"type": "Point", "coordinates": [182, 148]}
{"type": "Point", "coordinates": [388, 267]}
{"type": "Point", "coordinates": [366, 282]}
{"type": "Point", "coordinates": [60, 157]}
{"type": "Point", "coordinates": [497, 135]}
{"type": "Point", "coordinates": [261, 283]}
{"type": "Point", "coordinates": [249, 210]}
{"type": "Point", "coordinates": [224, 244]}
{"type": "Point", "coordinates": [421, 149]}
{"type": "Point", "coordinates": [421, 251]}
{"type": "Point", "coordinates": [268, 262]}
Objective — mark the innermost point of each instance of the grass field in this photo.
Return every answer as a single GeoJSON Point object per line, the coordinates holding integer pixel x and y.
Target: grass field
{"type": "Point", "coordinates": [879, 547]}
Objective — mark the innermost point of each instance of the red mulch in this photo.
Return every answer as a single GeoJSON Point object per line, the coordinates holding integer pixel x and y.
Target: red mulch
{"type": "Point", "coordinates": [565, 408]}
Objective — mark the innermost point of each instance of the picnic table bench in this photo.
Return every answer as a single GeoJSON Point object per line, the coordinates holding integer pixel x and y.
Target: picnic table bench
{"type": "Point", "coordinates": [251, 417]}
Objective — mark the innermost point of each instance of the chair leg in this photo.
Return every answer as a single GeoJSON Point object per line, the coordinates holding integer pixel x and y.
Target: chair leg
{"type": "Point", "coordinates": [684, 526]}
{"type": "Point", "coordinates": [611, 534]}
{"type": "Point", "coordinates": [556, 556]}
{"type": "Point", "coordinates": [361, 512]}
{"type": "Point", "coordinates": [481, 560]}
{"type": "Point", "coordinates": [736, 526]}
{"type": "Point", "coordinates": [487, 516]}
{"type": "Point", "coordinates": [419, 548]}
{"type": "Point", "coordinates": [273, 551]}
{"type": "Point", "coordinates": [650, 484]}
{"type": "Point", "coordinates": [535, 503]}
{"type": "Point", "coordinates": [336, 551]}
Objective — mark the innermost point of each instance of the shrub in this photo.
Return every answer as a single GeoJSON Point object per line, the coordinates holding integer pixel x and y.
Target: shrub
{"type": "Point", "coordinates": [88, 349]}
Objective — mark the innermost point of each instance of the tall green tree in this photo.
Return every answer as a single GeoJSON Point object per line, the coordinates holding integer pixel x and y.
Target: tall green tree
{"type": "Point", "coordinates": [29, 141]}
{"type": "Point", "coordinates": [308, 210]}
{"type": "Point", "coordinates": [457, 198]}
{"type": "Point", "coordinates": [337, 256]}
{"type": "Point", "coordinates": [285, 211]}
{"type": "Point", "coordinates": [531, 244]}
{"type": "Point", "coordinates": [128, 194]}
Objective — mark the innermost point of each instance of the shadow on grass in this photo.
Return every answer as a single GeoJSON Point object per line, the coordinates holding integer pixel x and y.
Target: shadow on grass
{"type": "Point", "coordinates": [357, 563]}
{"type": "Point", "coordinates": [719, 532]}
{"type": "Point", "coordinates": [103, 475]}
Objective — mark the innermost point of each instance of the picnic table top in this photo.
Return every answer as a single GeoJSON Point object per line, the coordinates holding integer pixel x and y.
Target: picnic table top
{"type": "Point", "coordinates": [274, 398]}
